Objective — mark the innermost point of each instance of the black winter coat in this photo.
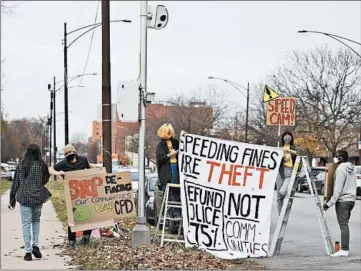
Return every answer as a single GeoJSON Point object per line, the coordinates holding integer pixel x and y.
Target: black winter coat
{"type": "Point", "coordinates": [163, 162]}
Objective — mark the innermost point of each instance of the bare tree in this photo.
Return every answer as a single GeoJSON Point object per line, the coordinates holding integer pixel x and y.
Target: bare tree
{"type": "Point", "coordinates": [20, 133]}
{"type": "Point", "coordinates": [327, 87]}
{"type": "Point", "coordinates": [259, 132]}
{"type": "Point", "coordinates": [80, 143]}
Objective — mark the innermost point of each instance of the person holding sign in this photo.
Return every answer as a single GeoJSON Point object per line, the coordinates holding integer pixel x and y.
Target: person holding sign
{"type": "Point", "coordinates": [285, 171]}
{"type": "Point", "coordinates": [167, 163]}
{"type": "Point", "coordinates": [344, 197]}
{"type": "Point", "coordinates": [72, 162]}
{"type": "Point", "coordinates": [28, 188]}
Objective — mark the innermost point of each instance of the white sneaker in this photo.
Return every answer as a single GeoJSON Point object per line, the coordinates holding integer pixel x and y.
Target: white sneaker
{"type": "Point", "coordinates": [340, 253]}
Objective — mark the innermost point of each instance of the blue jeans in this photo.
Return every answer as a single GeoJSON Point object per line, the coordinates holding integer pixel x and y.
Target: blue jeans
{"type": "Point", "coordinates": [30, 218]}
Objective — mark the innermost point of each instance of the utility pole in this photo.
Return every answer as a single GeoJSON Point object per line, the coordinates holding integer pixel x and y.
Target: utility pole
{"type": "Point", "coordinates": [247, 110]}
{"type": "Point", "coordinates": [50, 124]}
{"type": "Point", "coordinates": [66, 124]}
{"type": "Point", "coordinates": [54, 119]}
{"type": "Point", "coordinates": [141, 233]}
{"type": "Point", "coordinates": [106, 88]}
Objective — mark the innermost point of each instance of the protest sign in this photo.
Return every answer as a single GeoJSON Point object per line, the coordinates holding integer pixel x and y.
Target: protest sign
{"type": "Point", "coordinates": [227, 191]}
{"type": "Point", "coordinates": [94, 198]}
{"type": "Point", "coordinates": [281, 111]}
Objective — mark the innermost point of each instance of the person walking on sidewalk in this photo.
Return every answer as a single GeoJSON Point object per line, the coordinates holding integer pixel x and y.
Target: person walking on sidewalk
{"type": "Point", "coordinates": [344, 197]}
{"type": "Point", "coordinates": [285, 171]}
{"type": "Point", "coordinates": [72, 162]}
{"type": "Point", "coordinates": [28, 188]}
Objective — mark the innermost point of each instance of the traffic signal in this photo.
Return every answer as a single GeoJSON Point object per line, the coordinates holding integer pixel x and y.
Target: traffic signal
{"type": "Point", "coordinates": [157, 17]}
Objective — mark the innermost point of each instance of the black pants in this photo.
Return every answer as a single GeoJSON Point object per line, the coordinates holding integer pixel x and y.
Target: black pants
{"type": "Point", "coordinates": [72, 235]}
{"type": "Point", "coordinates": [343, 212]}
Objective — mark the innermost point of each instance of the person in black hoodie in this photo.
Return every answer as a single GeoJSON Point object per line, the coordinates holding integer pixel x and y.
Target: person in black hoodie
{"type": "Point", "coordinates": [286, 167]}
{"type": "Point", "coordinates": [167, 163]}
{"type": "Point", "coordinates": [28, 188]}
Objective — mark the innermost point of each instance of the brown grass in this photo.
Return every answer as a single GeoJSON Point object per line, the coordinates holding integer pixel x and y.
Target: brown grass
{"type": "Point", "coordinates": [5, 185]}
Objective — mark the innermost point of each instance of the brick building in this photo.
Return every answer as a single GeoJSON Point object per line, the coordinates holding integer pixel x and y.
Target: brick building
{"type": "Point", "coordinates": [193, 116]}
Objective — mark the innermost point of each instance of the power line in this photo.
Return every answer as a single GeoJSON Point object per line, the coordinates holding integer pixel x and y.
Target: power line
{"type": "Point", "coordinates": [90, 45]}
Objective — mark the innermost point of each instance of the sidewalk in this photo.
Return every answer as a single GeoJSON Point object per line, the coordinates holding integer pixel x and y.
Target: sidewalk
{"type": "Point", "coordinates": [51, 239]}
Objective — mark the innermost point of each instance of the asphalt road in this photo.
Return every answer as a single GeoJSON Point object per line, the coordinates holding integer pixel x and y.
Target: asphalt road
{"type": "Point", "coordinates": [303, 247]}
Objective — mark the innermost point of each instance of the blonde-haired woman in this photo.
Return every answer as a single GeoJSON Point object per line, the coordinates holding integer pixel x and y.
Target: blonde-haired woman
{"type": "Point", "coordinates": [167, 164]}
{"type": "Point", "coordinates": [166, 154]}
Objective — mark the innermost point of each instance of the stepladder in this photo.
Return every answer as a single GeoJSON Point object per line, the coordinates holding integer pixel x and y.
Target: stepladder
{"type": "Point", "coordinates": [163, 216]}
{"type": "Point", "coordinates": [301, 164]}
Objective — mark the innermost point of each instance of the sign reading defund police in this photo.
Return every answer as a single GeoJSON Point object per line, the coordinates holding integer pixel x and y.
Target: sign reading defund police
{"type": "Point", "coordinates": [227, 191]}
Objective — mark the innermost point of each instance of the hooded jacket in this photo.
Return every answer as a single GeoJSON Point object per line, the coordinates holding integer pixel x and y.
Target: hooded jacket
{"type": "Point", "coordinates": [344, 188]}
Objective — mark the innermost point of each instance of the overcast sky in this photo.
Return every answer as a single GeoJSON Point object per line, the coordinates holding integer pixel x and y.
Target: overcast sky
{"type": "Point", "coordinates": [240, 41]}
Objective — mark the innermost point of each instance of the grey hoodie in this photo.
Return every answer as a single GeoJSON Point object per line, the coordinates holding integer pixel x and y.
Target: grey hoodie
{"type": "Point", "coordinates": [344, 188]}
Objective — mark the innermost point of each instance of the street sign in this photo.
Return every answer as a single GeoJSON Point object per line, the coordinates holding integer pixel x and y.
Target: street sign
{"type": "Point", "coordinates": [281, 112]}
{"type": "Point", "coordinates": [128, 101]}
{"type": "Point", "coordinates": [269, 94]}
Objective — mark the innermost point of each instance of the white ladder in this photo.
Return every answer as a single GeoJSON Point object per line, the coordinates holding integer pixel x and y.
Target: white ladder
{"type": "Point", "coordinates": [286, 209]}
{"type": "Point", "coordinates": [166, 204]}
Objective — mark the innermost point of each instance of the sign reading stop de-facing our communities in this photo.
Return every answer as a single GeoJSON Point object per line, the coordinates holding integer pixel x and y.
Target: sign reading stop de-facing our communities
{"type": "Point", "coordinates": [281, 111]}
{"type": "Point", "coordinates": [227, 191]}
{"type": "Point", "coordinates": [94, 198]}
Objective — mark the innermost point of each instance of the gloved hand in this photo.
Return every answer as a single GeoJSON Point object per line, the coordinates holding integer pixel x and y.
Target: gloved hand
{"type": "Point", "coordinates": [12, 203]}
{"type": "Point", "coordinates": [325, 207]}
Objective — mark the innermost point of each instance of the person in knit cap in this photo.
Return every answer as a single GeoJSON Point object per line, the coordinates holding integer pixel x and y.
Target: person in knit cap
{"type": "Point", "coordinates": [72, 162]}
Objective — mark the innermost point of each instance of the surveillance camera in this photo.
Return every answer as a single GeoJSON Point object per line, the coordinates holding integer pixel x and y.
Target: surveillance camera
{"type": "Point", "coordinates": [150, 97]}
{"type": "Point", "coordinates": [157, 17]}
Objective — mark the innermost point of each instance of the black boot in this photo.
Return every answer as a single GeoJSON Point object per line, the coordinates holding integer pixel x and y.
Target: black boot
{"type": "Point", "coordinates": [85, 240]}
{"type": "Point", "coordinates": [28, 257]}
{"type": "Point", "coordinates": [36, 252]}
{"type": "Point", "coordinates": [71, 244]}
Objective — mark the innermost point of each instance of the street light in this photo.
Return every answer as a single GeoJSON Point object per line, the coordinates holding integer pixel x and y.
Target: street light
{"type": "Point", "coordinates": [53, 101]}
{"type": "Point", "coordinates": [66, 46]}
{"type": "Point", "coordinates": [336, 37]}
{"type": "Point", "coordinates": [237, 86]}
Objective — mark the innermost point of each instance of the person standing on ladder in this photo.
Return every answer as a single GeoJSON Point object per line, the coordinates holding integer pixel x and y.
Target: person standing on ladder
{"type": "Point", "coordinates": [344, 197]}
{"type": "Point", "coordinates": [167, 163]}
{"type": "Point", "coordinates": [285, 171]}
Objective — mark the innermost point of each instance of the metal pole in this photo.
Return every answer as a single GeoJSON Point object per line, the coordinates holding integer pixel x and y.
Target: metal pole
{"type": "Point", "coordinates": [66, 124]}
{"type": "Point", "coordinates": [279, 135]}
{"type": "Point", "coordinates": [106, 88]}
{"type": "Point", "coordinates": [247, 111]}
{"type": "Point", "coordinates": [141, 233]}
{"type": "Point", "coordinates": [50, 124]}
{"type": "Point", "coordinates": [54, 112]}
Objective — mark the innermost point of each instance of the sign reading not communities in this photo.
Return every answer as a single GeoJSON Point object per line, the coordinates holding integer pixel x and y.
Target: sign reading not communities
{"type": "Point", "coordinates": [227, 191]}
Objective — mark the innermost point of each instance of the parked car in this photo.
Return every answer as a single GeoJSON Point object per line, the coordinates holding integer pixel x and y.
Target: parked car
{"type": "Point", "coordinates": [302, 180]}
{"type": "Point", "coordinates": [6, 173]}
{"type": "Point", "coordinates": [358, 180]}
{"type": "Point", "coordinates": [150, 184]}
{"type": "Point", "coordinates": [320, 182]}
{"type": "Point", "coordinates": [12, 165]}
